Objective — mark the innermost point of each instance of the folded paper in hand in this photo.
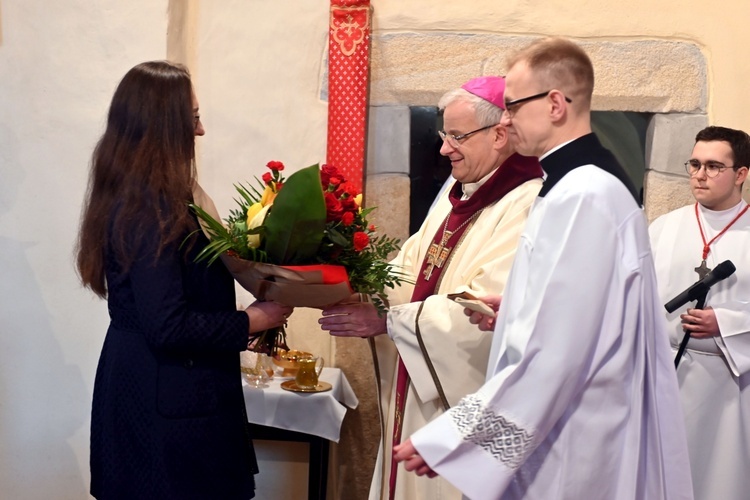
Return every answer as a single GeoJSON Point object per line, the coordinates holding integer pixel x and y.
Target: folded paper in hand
{"type": "Point", "coordinates": [471, 302]}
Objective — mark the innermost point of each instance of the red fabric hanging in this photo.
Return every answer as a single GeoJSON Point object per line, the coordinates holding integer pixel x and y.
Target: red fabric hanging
{"type": "Point", "coordinates": [348, 81]}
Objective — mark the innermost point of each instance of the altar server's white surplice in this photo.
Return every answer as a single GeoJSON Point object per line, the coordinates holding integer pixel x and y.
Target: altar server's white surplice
{"type": "Point", "coordinates": [714, 374]}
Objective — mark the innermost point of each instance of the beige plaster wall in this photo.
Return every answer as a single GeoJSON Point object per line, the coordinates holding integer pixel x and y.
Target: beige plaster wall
{"type": "Point", "coordinates": [258, 68]}
{"type": "Point", "coordinates": [59, 65]}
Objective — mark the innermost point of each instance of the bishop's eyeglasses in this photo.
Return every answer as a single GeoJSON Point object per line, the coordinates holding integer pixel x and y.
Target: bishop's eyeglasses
{"type": "Point", "coordinates": [712, 168]}
{"type": "Point", "coordinates": [455, 140]}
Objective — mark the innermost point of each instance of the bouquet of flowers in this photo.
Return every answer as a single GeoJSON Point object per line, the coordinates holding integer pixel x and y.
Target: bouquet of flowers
{"type": "Point", "coordinates": [303, 241]}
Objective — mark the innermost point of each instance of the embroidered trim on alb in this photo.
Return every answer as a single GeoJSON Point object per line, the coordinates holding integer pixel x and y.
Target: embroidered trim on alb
{"type": "Point", "coordinates": [500, 437]}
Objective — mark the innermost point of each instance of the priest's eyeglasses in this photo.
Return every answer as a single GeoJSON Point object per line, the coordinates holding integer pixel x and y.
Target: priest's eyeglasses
{"type": "Point", "coordinates": [455, 140]}
{"type": "Point", "coordinates": [511, 107]}
{"type": "Point", "coordinates": [712, 168]}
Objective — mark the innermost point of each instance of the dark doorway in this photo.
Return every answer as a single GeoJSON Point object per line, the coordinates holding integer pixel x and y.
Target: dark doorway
{"type": "Point", "coordinates": [623, 133]}
{"type": "Point", "coordinates": [428, 169]}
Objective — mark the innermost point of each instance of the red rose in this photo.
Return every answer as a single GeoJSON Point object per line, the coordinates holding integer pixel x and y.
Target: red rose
{"type": "Point", "coordinates": [329, 172]}
{"type": "Point", "coordinates": [372, 228]}
{"type": "Point", "coordinates": [334, 210]}
{"type": "Point", "coordinates": [275, 165]}
{"type": "Point", "coordinates": [347, 218]}
{"type": "Point", "coordinates": [267, 178]}
{"type": "Point", "coordinates": [349, 204]}
{"type": "Point", "coordinates": [361, 240]}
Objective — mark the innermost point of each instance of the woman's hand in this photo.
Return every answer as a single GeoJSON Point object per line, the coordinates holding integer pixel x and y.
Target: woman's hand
{"type": "Point", "coordinates": [265, 315]}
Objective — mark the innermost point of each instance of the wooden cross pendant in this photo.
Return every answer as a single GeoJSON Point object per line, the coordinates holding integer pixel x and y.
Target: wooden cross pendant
{"type": "Point", "coordinates": [702, 270]}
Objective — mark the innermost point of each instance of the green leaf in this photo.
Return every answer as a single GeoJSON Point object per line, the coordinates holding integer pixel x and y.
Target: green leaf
{"type": "Point", "coordinates": [244, 191]}
{"type": "Point", "coordinates": [337, 238]}
{"type": "Point", "coordinates": [213, 227]}
{"type": "Point", "coordinates": [296, 222]}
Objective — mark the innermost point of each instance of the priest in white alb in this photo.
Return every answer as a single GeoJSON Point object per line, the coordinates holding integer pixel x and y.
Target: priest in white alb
{"type": "Point", "coordinates": [714, 371]}
{"type": "Point", "coordinates": [428, 354]}
{"type": "Point", "coordinates": [581, 399]}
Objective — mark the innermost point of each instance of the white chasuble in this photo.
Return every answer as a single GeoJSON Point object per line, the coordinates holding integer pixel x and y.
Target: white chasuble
{"type": "Point", "coordinates": [581, 400]}
{"type": "Point", "coordinates": [458, 349]}
{"type": "Point", "coordinates": [714, 374]}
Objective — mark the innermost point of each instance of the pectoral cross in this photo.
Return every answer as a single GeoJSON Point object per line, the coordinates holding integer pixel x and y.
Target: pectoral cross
{"type": "Point", "coordinates": [702, 270]}
{"type": "Point", "coordinates": [437, 254]}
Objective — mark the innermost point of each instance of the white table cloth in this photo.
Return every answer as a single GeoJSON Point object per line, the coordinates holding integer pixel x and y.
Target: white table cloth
{"type": "Point", "coordinates": [319, 413]}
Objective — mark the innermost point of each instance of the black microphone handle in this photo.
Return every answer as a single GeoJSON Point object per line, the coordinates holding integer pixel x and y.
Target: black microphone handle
{"type": "Point", "coordinates": [686, 337]}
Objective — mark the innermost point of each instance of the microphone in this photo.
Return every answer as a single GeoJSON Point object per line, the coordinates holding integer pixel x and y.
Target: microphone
{"type": "Point", "coordinates": [700, 287]}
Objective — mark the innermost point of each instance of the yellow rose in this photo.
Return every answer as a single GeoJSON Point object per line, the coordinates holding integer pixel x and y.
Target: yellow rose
{"type": "Point", "coordinates": [256, 214]}
{"type": "Point", "coordinates": [358, 201]}
{"type": "Point", "coordinates": [252, 212]}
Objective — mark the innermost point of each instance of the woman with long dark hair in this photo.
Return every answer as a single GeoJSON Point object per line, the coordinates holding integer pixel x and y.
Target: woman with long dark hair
{"type": "Point", "coordinates": [168, 417]}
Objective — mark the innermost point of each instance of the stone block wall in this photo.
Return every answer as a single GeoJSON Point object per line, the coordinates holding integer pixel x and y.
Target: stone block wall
{"type": "Point", "coordinates": [666, 78]}
{"type": "Point", "coordinates": [669, 142]}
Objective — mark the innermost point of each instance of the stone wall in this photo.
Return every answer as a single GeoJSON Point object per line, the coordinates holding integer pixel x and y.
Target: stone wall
{"type": "Point", "coordinates": [415, 69]}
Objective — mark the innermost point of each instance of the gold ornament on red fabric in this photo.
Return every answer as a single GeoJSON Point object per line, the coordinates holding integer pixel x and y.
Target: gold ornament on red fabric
{"type": "Point", "coordinates": [348, 82]}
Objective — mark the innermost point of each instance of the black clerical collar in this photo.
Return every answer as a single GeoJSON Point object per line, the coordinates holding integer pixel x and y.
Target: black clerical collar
{"type": "Point", "coordinates": [586, 150]}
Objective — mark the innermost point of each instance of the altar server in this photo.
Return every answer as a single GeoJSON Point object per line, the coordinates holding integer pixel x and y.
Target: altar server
{"type": "Point", "coordinates": [714, 373]}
